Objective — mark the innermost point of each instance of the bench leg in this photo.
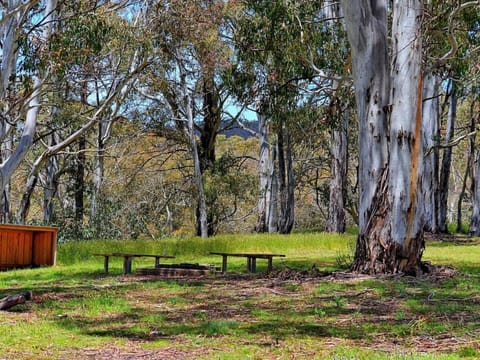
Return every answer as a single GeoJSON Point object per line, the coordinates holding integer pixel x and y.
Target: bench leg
{"type": "Point", "coordinates": [224, 264]}
{"type": "Point", "coordinates": [251, 264]}
{"type": "Point", "coordinates": [105, 264]}
{"type": "Point", "coordinates": [269, 267]}
{"type": "Point", "coordinates": [127, 265]}
{"type": "Point", "coordinates": [157, 262]}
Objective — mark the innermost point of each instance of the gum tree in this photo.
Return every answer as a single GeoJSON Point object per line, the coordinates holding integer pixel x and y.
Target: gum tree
{"type": "Point", "coordinates": [389, 80]}
{"type": "Point", "coordinates": [388, 89]}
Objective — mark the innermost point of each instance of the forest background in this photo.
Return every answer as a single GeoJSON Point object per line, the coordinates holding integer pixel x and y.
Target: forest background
{"type": "Point", "coordinates": [127, 119]}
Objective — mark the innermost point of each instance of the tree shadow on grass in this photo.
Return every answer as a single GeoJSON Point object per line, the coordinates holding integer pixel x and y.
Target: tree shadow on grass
{"type": "Point", "coordinates": [229, 307]}
{"type": "Point", "coordinates": [259, 306]}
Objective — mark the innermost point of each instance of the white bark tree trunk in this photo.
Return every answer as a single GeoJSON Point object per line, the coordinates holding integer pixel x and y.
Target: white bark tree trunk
{"type": "Point", "coordinates": [272, 200]}
{"type": "Point", "coordinates": [6, 211]}
{"type": "Point", "coordinates": [264, 164]}
{"type": "Point", "coordinates": [202, 207]}
{"type": "Point", "coordinates": [372, 90]}
{"type": "Point", "coordinates": [267, 201]}
{"type": "Point", "coordinates": [390, 112]}
{"type": "Point", "coordinates": [406, 151]}
{"type": "Point", "coordinates": [430, 135]}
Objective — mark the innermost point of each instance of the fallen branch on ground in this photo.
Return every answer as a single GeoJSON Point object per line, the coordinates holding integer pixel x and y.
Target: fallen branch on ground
{"type": "Point", "coordinates": [10, 301]}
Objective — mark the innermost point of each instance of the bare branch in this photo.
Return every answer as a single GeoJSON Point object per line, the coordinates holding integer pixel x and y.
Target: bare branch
{"type": "Point", "coordinates": [451, 37]}
{"type": "Point", "coordinates": [450, 144]}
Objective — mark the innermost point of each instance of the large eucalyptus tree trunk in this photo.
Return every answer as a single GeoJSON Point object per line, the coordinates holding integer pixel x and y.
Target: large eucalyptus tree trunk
{"type": "Point", "coordinates": [389, 103]}
{"type": "Point", "coordinates": [430, 134]}
{"type": "Point", "coordinates": [406, 149]}
{"type": "Point", "coordinates": [372, 90]}
{"type": "Point", "coordinates": [447, 159]}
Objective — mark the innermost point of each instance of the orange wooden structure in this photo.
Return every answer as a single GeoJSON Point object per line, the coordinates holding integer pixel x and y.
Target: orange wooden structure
{"type": "Point", "coordinates": [27, 246]}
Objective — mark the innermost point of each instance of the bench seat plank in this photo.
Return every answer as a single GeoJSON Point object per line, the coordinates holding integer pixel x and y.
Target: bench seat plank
{"type": "Point", "coordinates": [127, 260]}
{"type": "Point", "coordinates": [251, 259]}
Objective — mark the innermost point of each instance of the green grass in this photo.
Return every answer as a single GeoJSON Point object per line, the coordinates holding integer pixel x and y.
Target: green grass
{"type": "Point", "coordinates": [297, 245]}
{"type": "Point", "coordinates": [79, 312]}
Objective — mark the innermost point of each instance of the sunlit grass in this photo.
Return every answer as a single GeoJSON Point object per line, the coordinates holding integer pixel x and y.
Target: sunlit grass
{"type": "Point", "coordinates": [295, 245]}
{"type": "Point", "coordinates": [463, 256]}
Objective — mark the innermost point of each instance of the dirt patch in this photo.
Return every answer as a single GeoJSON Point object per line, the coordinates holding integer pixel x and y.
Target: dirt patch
{"type": "Point", "coordinates": [132, 352]}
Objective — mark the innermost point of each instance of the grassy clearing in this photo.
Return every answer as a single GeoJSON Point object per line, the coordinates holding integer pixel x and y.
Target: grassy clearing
{"type": "Point", "coordinates": [78, 312]}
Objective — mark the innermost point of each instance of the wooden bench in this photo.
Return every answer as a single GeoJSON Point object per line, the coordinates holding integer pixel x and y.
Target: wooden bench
{"type": "Point", "coordinates": [251, 259]}
{"type": "Point", "coordinates": [127, 260]}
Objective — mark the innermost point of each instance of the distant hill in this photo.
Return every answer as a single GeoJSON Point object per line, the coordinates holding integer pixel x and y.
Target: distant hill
{"type": "Point", "coordinates": [238, 131]}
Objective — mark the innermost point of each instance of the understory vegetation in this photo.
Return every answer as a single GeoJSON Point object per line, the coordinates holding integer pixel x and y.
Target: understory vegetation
{"type": "Point", "coordinates": [309, 306]}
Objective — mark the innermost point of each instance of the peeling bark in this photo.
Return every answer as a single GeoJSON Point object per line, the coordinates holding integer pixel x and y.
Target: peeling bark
{"type": "Point", "coordinates": [389, 103]}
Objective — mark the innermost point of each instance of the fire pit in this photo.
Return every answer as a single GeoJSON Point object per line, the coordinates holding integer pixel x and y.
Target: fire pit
{"type": "Point", "coordinates": [172, 270]}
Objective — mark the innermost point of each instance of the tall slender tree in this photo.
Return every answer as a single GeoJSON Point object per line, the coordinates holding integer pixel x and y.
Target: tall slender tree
{"type": "Point", "coordinates": [273, 40]}
{"type": "Point", "coordinates": [446, 163]}
{"type": "Point", "coordinates": [430, 138]}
